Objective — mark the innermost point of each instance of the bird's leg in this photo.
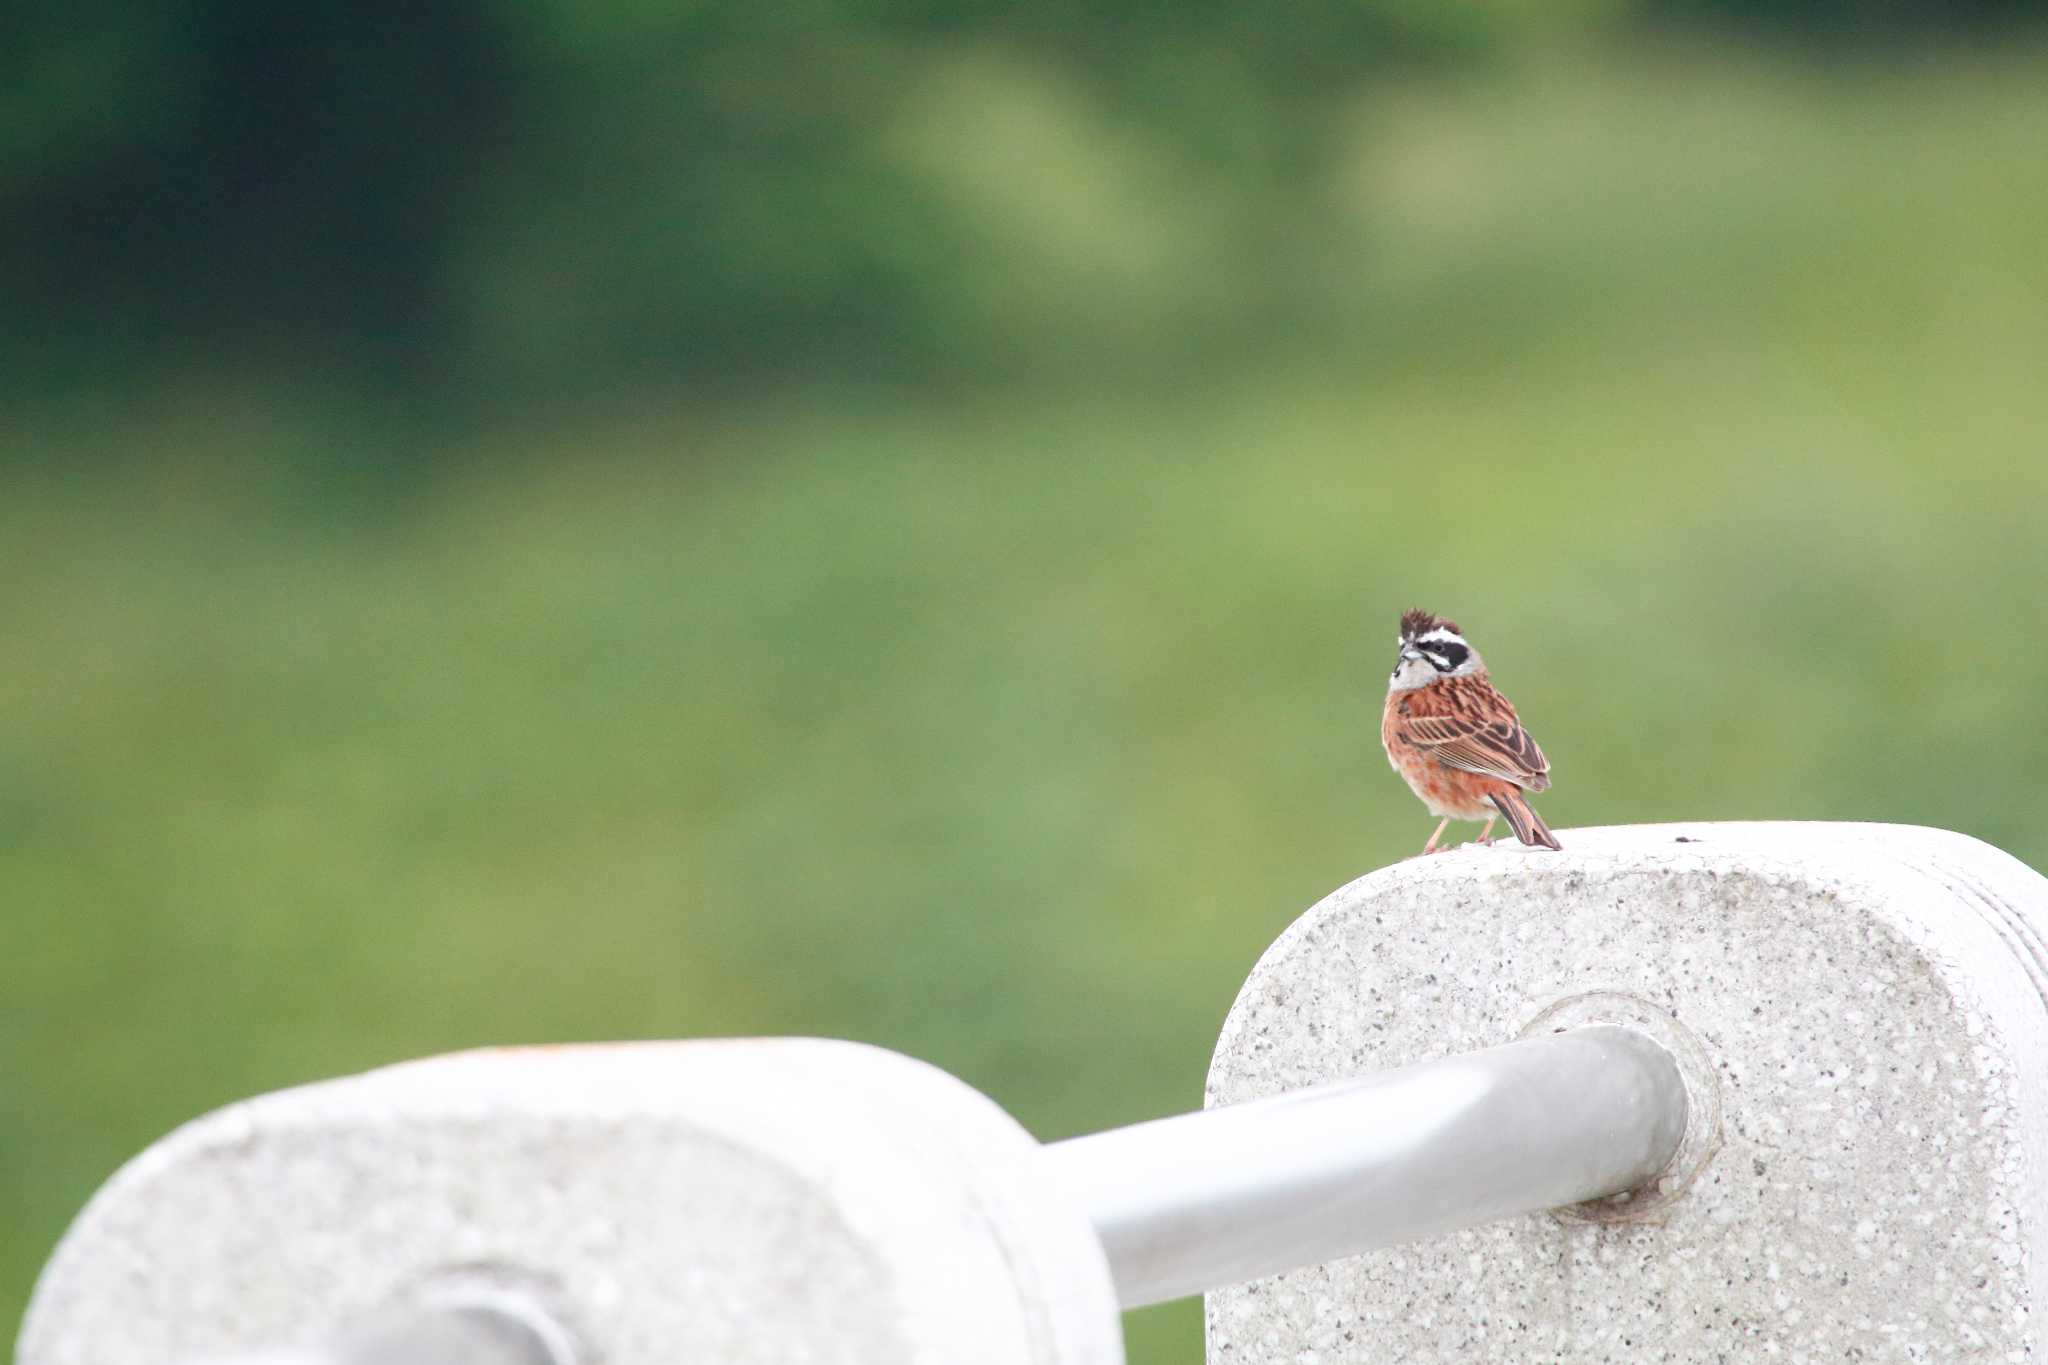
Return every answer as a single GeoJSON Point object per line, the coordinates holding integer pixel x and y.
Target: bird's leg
{"type": "Point", "coordinates": [1483, 838]}
{"type": "Point", "coordinates": [1430, 847]}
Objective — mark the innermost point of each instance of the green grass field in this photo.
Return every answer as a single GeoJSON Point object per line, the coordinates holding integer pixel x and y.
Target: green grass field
{"type": "Point", "coordinates": [1710, 397]}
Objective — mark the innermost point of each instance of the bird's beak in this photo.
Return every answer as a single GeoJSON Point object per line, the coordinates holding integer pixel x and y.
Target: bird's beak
{"type": "Point", "coordinates": [1411, 654]}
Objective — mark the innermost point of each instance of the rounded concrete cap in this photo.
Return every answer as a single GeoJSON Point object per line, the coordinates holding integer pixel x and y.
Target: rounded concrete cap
{"type": "Point", "coordinates": [1869, 1005]}
{"type": "Point", "coordinates": [776, 1200]}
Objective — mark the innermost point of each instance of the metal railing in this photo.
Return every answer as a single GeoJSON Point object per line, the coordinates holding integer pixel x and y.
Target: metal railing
{"type": "Point", "coordinates": [1192, 1203]}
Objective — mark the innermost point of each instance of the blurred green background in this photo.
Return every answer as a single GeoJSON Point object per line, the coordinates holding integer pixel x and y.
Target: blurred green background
{"type": "Point", "coordinates": [618, 521]}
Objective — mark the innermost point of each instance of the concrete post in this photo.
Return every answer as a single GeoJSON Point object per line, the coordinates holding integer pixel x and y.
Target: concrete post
{"type": "Point", "coordinates": [1860, 1013]}
{"type": "Point", "coordinates": [745, 1202]}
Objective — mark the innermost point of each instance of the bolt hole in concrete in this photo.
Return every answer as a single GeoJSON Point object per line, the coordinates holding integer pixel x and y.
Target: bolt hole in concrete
{"type": "Point", "coordinates": [1702, 1137]}
{"type": "Point", "coordinates": [467, 1315]}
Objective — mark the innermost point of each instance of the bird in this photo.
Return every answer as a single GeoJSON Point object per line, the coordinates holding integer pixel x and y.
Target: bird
{"type": "Point", "coordinates": [1455, 740]}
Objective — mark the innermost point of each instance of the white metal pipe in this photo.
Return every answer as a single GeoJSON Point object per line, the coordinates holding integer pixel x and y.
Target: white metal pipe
{"type": "Point", "coordinates": [1195, 1202]}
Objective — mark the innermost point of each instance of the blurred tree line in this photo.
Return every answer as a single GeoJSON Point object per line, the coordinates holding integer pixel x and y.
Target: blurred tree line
{"type": "Point", "coordinates": [469, 198]}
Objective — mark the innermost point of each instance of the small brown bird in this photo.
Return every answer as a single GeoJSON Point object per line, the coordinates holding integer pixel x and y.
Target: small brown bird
{"type": "Point", "coordinates": [1456, 741]}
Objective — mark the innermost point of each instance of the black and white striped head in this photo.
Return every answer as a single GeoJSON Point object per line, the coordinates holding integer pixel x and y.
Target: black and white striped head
{"type": "Point", "coordinates": [1431, 648]}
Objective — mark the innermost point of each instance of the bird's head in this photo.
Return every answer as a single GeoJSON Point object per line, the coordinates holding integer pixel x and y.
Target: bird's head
{"type": "Point", "coordinates": [1431, 648]}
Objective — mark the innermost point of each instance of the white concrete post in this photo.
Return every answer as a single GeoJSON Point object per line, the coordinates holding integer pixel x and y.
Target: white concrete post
{"type": "Point", "coordinates": [1860, 1013]}
{"type": "Point", "coordinates": [757, 1202]}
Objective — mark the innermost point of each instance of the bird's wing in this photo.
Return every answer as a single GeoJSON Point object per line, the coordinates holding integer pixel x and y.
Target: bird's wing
{"type": "Point", "coordinates": [1498, 748]}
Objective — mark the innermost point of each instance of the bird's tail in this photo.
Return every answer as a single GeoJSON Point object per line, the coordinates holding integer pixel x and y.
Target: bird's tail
{"type": "Point", "coordinates": [1527, 824]}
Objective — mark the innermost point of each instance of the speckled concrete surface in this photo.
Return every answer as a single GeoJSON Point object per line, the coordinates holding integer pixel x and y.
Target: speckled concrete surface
{"type": "Point", "coordinates": [784, 1200]}
{"type": "Point", "coordinates": [1872, 1002]}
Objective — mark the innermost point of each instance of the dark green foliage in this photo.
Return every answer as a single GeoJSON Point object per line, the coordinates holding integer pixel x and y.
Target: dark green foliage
{"type": "Point", "coordinates": [481, 203]}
